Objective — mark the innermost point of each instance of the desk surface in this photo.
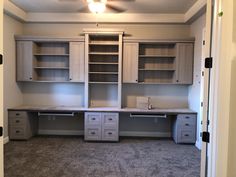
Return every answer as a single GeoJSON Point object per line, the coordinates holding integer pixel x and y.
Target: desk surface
{"type": "Point", "coordinates": [100, 109]}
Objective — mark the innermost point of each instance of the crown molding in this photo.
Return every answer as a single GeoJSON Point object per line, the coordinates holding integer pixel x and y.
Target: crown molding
{"type": "Point", "coordinates": [134, 18]}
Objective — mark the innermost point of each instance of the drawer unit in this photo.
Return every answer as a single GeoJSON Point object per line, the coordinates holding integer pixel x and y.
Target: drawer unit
{"type": "Point", "coordinates": [22, 125]}
{"type": "Point", "coordinates": [101, 126]}
{"type": "Point", "coordinates": [184, 128]}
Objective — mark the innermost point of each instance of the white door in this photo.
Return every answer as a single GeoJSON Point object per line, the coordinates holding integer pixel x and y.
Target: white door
{"type": "Point", "coordinates": [1, 88]}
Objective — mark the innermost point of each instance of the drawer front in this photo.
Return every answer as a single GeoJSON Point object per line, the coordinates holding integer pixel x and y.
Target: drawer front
{"type": "Point", "coordinates": [110, 135]}
{"type": "Point", "coordinates": [92, 133]}
{"type": "Point", "coordinates": [17, 114]}
{"type": "Point", "coordinates": [92, 118]}
{"type": "Point", "coordinates": [110, 119]}
{"type": "Point", "coordinates": [17, 121]}
{"type": "Point", "coordinates": [186, 119]}
{"type": "Point", "coordinates": [17, 133]}
{"type": "Point", "coordinates": [187, 136]}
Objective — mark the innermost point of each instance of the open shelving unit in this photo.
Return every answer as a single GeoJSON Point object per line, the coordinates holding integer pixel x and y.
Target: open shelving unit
{"type": "Point", "coordinates": [103, 68]}
{"type": "Point", "coordinates": [157, 63]}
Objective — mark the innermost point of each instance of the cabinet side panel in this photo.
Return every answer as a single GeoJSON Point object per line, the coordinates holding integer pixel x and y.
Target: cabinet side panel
{"type": "Point", "coordinates": [130, 63]}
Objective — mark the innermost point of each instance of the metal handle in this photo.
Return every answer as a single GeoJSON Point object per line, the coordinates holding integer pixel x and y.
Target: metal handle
{"type": "Point", "coordinates": [17, 121]}
{"type": "Point", "coordinates": [149, 115]}
{"type": "Point", "coordinates": [186, 124]}
{"type": "Point", "coordinates": [110, 119]}
{"type": "Point", "coordinates": [17, 131]}
{"type": "Point", "coordinates": [56, 114]}
{"type": "Point", "coordinates": [17, 114]}
{"type": "Point", "coordinates": [93, 133]}
{"type": "Point", "coordinates": [187, 117]}
{"type": "Point", "coordinates": [109, 133]}
{"type": "Point", "coordinates": [93, 118]}
{"type": "Point", "coordinates": [186, 135]}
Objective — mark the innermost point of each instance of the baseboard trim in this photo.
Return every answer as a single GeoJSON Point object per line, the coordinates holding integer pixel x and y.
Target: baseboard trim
{"type": "Point", "coordinates": [145, 134]}
{"type": "Point", "coordinates": [122, 133]}
{"type": "Point", "coordinates": [6, 140]}
{"type": "Point", "coordinates": [198, 145]}
{"type": "Point", "coordinates": [60, 132]}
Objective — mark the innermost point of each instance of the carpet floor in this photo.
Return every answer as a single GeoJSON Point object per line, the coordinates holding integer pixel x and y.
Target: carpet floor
{"type": "Point", "coordinates": [54, 156]}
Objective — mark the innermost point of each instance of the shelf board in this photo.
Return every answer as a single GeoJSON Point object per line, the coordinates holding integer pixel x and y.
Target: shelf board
{"type": "Point", "coordinates": [160, 83]}
{"type": "Point", "coordinates": [56, 68]}
{"type": "Point", "coordinates": [48, 54]}
{"type": "Point", "coordinates": [103, 53]}
{"type": "Point", "coordinates": [103, 72]}
{"type": "Point", "coordinates": [103, 63]}
{"type": "Point", "coordinates": [157, 56]}
{"type": "Point", "coordinates": [103, 82]}
{"type": "Point", "coordinates": [104, 43]}
{"type": "Point", "coordinates": [160, 69]}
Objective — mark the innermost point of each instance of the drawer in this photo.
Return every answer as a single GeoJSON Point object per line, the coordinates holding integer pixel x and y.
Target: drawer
{"type": "Point", "coordinates": [187, 136]}
{"type": "Point", "coordinates": [184, 119]}
{"type": "Point", "coordinates": [110, 135]}
{"type": "Point", "coordinates": [92, 118]}
{"type": "Point", "coordinates": [17, 133]}
{"type": "Point", "coordinates": [110, 119]}
{"type": "Point", "coordinates": [17, 121]}
{"type": "Point", "coordinates": [92, 133]}
{"type": "Point", "coordinates": [17, 114]}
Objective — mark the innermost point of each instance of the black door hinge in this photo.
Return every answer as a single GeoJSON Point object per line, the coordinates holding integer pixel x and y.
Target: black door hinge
{"type": "Point", "coordinates": [1, 59]}
{"type": "Point", "coordinates": [206, 137]}
{"type": "Point", "coordinates": [208, 62]}
{"type": "Point", "coordinates": [1, 131]}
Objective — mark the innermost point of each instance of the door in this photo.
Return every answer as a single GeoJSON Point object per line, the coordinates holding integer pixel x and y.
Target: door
{"type": "Point", "coordinates": [77, 61]}
{"type": "Point", "coordinates": [130, 63]}
{"type": "Point", "coordinates": [1, 88]}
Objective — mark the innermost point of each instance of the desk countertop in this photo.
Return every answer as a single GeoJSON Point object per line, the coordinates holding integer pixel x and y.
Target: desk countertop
{"type": "Point", "coordinates": [100, 109]}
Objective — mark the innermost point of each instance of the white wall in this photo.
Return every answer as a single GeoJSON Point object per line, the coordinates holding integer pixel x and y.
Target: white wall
{"type": "Point", "coordinates": [12, 91]}
{"type": "Point", "coordinates": [194, 90]}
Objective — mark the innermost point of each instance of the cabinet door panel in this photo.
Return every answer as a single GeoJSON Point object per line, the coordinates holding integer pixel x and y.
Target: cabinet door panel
{"type": "Point", "coordinates": [184, 60]}
{"type": "Point", "coordinates": [130, 63]}
{"type": "Point", "coordinates": [24, 62]}
{"type": "Point", "coordinates": [77, 61]}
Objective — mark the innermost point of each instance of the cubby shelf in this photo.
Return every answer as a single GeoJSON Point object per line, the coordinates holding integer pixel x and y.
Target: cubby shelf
{"type": "Point", "coordinates": [103, 53]}
{"type": "Point", "coordinates": [156, 56]}
{"type": "Point", "coordinates": [56, 68]}
{"type": "Point", "coordinates": [49, 54]}
{"type": "Point", "coordinates": [160, 69]}
{"type": "Point", "coordinates": [103, 73]}
{"type": "Point", "coordinates": [103, 63]}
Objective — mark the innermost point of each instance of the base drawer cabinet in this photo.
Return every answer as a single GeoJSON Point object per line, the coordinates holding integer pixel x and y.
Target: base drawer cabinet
{"type": "Point", "coordinates": [22, 125]}
{"type": "Point", "coordinates": [184, 128]}
{"type": "Point", "coordinates": [101, 126]}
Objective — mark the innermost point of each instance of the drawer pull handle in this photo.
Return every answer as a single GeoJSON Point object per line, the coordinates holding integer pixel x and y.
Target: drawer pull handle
{"type": "Point", "coordinates": [93, 133]}
{"type": "Point", "coordinates": [17, 121]}
{"type": "Point", "coordinates": [186, 135]}
{"type": "Point", "coordinates": [109, 133]}
{"type": "Point", "coordinates": [93, 118]}
{"type": "Point", "coordinates": [110, 119]}
{"type": "Point", "coordinates": [17, 114]}
{"type": "Point", "coordinates": [187, 117]}
{"type": "Point", "coordinates": [186, 124]}
{"type": "Point", "coordinates": [17, 131]}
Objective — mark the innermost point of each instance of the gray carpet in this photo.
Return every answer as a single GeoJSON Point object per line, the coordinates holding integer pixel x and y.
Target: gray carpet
{"type": "Point", "coordinates": [72, 157]}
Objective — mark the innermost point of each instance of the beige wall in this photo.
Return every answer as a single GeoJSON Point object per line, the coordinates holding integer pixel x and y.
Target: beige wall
{"type": "Point", "coordinates": [12, 91]}
{"type": "Point", "coordinates": [195, 89]}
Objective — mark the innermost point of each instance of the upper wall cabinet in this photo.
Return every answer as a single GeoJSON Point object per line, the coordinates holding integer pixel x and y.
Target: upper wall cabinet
{"type": "Point", "coordinates": [150, 62]}
{"type": "Point", "coordinates": [50, 60]}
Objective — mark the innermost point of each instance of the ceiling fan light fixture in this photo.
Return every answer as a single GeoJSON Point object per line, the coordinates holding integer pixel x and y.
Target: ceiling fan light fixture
{"type": "Point", "coordinates": [97, 6]}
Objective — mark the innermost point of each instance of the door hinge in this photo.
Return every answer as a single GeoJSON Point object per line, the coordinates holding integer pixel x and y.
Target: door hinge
{"type": "Point", "coordinates": [1, 59]}
{"type": "Point", "coordinates": [203, 42]}
{"type": "Point", "coordinates": [206, 137]}
{"type": "Point", "coordinates": [208, 62]}
{"type": "Point", "coordinates": [1, 131]}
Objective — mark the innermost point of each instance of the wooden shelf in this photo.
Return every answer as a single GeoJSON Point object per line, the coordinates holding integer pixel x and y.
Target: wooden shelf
{"type": "Point", "coordinates": [63, 68]}
{"type": "Point", "coordinates": [47, 54]}
{"type": "Point", "coordinates": [157, 56]}
{"type": "Point", "coordinates": [103, 72]}
{"type": "Point", "coordinates": [103, 53]}
{"type": "Point", "coordinates": [103, 82]}
{"type": "Point", "coordinates": [104, 43]}
{"type": "Point", "coordinates": [160, 69]}
{"type": "Point", "coordinates": [103, 63]}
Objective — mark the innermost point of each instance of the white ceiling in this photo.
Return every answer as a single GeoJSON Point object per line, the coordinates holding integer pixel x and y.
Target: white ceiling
{"type": "Point", "coordinates": [137, 6]}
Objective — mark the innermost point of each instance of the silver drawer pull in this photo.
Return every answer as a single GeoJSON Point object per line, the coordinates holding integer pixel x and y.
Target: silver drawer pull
{"type": "Point", "coordinates": [109, 133]}
{"type": "Point", "coordinates": [93, 133]}
{"type": "Point", "coordinates": [186, 124]}
{"type": "Point", "coordinates": [17, 114]}
{"type": "Point", "coordinates": [187, 117]}
{"type": "Point", "coordinates": [17, 131]}
{"type": "Point", "coordinates": [186, 135]}
{"type": "Point", "coordinates": [17, 121]}
{"type": "Point", "coordinates": [93, 118]}
{"type": "Point", "coordinates": [110, 119]}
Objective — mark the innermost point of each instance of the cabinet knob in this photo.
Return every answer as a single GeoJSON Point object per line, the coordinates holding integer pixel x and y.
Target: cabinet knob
{"type": "Point", "coordinates": [186, 124]}
{"type": "Point", "coordinates": [110, 119]}
{"type": "Point", "coordinates": [186, 135]}
{"type": "Point", "coordinates": [136, 80]}
{"type": "Point", "coordinates": [110, 133]}
{"type": "Point", "coordinates": [17, 121]}
{"type": "Point", "coordinates": [92, 133]}
{"type": "Point", "coordinates": [70, 79]}
{"type": "Point", "coordinates": [177, 80]}
{"type": "Point", "coordinates": [30, 78]}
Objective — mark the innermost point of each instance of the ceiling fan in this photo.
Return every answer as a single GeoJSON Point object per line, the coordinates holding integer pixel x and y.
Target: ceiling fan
{"type": "Point", "coordinates": [99, 6]}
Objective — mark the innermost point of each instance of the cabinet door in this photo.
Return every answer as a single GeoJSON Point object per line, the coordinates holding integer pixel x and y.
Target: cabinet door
{"type": "Point", "coordinates": [130, 63]}
{"type": "Point", "coordinates": [184, 63]}
{"type": "Point", "coordinates": [77, 61]}
{"type": "Point", "coordinates": [24, 54]}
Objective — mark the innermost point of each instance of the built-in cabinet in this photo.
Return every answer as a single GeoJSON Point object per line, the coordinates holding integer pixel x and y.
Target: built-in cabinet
{"type": "Point", "coordinates": [158, 62]}
{"type": "Point", "coordinates": [46, 60]}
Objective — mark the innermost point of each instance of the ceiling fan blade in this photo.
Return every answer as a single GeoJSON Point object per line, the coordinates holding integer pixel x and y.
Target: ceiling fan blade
{"type": "Point", "coordinates": [115, 8]}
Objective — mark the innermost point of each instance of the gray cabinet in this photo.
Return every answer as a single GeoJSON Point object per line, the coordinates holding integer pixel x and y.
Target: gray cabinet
{"type": "Point", "coordinates": [22, 124]}
{"type": "Point", "coordinates": [130, 63]}
{"type": "Point", "coordinates": [101, 126]}
{"type": "Point", "coordinates": [184, 63]}
{"type": "Point", "coordinates": [184, 128]}
{"type": "Point", "coordinates": [24, 55]}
